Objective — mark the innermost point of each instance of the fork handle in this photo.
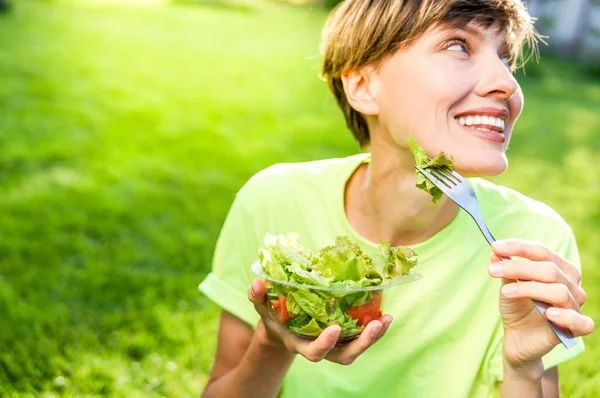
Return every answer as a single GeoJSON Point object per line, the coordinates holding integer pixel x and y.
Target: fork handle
{"type": "Point", "coordinates": [565, 337]}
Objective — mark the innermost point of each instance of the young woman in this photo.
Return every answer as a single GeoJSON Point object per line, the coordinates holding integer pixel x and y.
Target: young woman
{"type": "Point", "coordinates": [440, 71]}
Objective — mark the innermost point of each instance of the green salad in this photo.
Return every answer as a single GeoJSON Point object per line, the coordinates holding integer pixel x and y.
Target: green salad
{"type": "Point", "coordinates": [336, 274]}
{"type": "Point", "coordinates": [441, 161]}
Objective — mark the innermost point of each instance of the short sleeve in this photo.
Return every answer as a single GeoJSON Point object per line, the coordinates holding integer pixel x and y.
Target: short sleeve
{"type": "Point", "coordinates": [237, 248]}
{"type": "Point", "coordinates": [563, 242]}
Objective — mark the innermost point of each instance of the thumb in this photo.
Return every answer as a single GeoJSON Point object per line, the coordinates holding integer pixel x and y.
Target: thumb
{"type": "Point", "coordinates": [257, 296]}
{"type": "Point", "coordinates": [257, 292]}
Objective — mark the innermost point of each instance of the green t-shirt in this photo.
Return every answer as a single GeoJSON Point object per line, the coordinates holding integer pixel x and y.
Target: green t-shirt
{"type": "Point", "coordinates": [446, 337]}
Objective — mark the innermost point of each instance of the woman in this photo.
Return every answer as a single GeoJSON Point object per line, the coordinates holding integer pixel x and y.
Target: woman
{"type": "Point", "coordinates": [441, 72]}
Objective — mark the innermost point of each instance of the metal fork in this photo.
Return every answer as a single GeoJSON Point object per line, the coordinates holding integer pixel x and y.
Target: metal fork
{"type": "Point", "coordinates": [458, 188]}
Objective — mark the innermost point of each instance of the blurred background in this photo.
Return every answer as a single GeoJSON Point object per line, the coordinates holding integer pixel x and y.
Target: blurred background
{"type": "Point", "coordinates": [127, 127]}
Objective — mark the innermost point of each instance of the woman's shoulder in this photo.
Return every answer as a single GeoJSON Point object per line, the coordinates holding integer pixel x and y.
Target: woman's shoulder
{"type": "Point", "coordinates": [286, 178]}
{"type": "Point", "coordinates": [498, 201]}
{"type": "Point", "coordinates": [296, 185]}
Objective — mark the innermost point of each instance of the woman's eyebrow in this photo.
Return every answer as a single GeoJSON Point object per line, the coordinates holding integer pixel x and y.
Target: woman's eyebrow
{"type": "Point", "coordinates": [475, 31]}
{"type": "Point", "coordinates": [472, 29]}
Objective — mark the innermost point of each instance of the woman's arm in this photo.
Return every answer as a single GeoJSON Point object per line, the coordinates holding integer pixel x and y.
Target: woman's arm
{"type": "Point", "coordinates": [253, 363]}
{"type": "Point", "coordinates": [547, 277]}
{"type": "Point", "coordinates": [244, 365]}
{"type": "Point", "coordinates": [524, 381]}
{"type": "Point", "coordinates": [518, 384]}
{"type": "Point", "coordinates": [550, 383]}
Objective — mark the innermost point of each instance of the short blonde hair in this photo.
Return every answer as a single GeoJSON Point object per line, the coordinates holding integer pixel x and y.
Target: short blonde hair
{"type": "Point", "coordinates": [359, 33]}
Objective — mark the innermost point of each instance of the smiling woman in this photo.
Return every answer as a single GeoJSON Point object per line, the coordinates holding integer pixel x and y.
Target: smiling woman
{"type": "Point", "coordinates": [440, 71]}
{"type": "Point", "coordinates": [426, 88]}
{"type": "Point", "coordinates": [452, 53]}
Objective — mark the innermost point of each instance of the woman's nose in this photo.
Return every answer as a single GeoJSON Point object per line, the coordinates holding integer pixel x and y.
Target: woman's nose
{"type": "Point", "coordinates": [496, 79]}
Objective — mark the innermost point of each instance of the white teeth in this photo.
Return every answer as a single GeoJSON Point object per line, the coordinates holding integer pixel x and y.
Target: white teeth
{"type": "Point", "coordinates": [482, 120]}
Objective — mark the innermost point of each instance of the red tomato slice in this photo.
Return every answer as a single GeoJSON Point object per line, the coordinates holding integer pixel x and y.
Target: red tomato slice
{"type": "Point", "coordinates": [367, 311]}
{"type": "Point", "coordinates": [280, 310]}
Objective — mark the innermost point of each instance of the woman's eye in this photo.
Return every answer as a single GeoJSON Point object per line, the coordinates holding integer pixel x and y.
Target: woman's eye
{"type": "Point", "coordinates": [457, 45]}
{"type": "Point", "coordinates": [507, 61]}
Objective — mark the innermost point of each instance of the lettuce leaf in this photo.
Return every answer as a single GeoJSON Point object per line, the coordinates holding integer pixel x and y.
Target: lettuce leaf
{"type": "Point", "coordinates": [293, 307]}
{"type": "Point", "coordinates": [312, 328]}
{"type": "Point", "coordinates": [303, 276]}
{"type": "Point", "coordinates": [396, 261]}
{"type": "Point", "coordinates": [441, 161]}
{"type": "Point", "coordinates": [312, 304]}
{"type": "Point", "coordinates": [271, 266]}
{"type": "Point", "coordinates": [343, 261]}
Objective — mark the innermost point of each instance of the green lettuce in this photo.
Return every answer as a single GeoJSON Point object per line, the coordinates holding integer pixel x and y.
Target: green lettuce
{"type": "Point", "coordinates": [312, 328]}
{"type": "Point", "coordinates": [312, 304]}
{"type": "Point", "coordinates": [441, 161]}
{"type": "Point", "coordinates": [396, 261]}
{"type": "Point", "coordinates": [343, 261]}
{"type": "Point", "coordinates": [293, 308]}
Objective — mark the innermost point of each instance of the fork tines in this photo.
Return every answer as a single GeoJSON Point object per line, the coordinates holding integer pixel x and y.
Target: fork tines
{"type": "Point", "coordinates": [447, 177]}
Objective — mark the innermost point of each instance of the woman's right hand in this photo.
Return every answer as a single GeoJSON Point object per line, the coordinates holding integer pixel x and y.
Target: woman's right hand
{"type": "Point", "coordinates": [270, 333]}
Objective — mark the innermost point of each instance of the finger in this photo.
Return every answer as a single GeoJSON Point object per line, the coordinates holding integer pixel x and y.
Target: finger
{"type": "Point", "coordinates": [386, 321]}
{"type": "Point", "coordinates": [535, 251]}
{"type": "Point", "coordinates": [578, 324]}
{"type": "Point", "coordinates": [348, 354]}
{"type": "Point", "coordinates": [257, 295]}
{"type": "Point", "coordinates": [317, 349]}
{"type": "Point", "coordinates": [556, 294]}
{"type": "Point", "coordinates": [494, 258]}
{"type": "Point", "coordinates": [537, 271]}
{"type": "Point", "coordinates": [540, 271]}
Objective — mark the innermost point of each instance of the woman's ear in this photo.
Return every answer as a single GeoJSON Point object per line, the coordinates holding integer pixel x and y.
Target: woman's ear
{"type": "Point", "coordinates": [357, 85]}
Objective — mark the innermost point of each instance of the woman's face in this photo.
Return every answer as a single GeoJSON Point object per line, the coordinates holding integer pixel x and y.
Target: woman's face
{"type": "Point", "coordinates": [452, 90]}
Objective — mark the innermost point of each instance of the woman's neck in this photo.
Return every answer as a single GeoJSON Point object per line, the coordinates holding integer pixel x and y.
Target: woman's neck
{"type": "Point", "coordinates": [383, 204]}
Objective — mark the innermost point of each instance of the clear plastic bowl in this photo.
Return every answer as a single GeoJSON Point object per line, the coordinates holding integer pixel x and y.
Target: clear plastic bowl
{"type": "Point", "coordinates": [334, 300]}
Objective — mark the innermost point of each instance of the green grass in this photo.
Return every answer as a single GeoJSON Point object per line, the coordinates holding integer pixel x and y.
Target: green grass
{"type": "Point", "coordinates": [126, 130]}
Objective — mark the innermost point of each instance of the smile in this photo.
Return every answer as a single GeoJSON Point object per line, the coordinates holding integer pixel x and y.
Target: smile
{"type": "Point", "coordinates": [482, 122]}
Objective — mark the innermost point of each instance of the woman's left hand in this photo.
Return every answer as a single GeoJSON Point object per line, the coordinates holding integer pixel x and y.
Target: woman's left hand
{"type": "Point", "coordinates": [545, 277]}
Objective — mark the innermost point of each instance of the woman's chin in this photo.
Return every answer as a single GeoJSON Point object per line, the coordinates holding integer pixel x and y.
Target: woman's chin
{"type": "Point", "coordinates": [481, 167]}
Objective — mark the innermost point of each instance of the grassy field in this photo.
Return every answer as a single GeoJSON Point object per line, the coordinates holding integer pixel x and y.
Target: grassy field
{"type": "Point", "coordinates": [125, 131]}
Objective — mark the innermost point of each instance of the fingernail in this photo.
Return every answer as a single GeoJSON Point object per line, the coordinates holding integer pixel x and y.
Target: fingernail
{"type": "Point", "coordinates": [498, 245]}
{"type": "Point", "coordinates": [553, 313]}
{"type": "Point", "coordinates": [509, 290]}
{"type": "Point", "coordinates": [375, 331]}
{"type": "Point", "coordinates": [495, 270]}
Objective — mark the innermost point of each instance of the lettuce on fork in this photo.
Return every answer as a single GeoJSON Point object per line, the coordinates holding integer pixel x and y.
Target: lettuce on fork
{"type": "Point", "coordinates": [340, 266]}
{"type": "Point", "coordinates": [441, 161]}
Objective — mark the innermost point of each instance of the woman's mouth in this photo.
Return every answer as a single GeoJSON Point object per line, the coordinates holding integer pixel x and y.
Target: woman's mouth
{"type": "Point", "coordinates": [479, 122]}
{"type": "Point", "coordinates": [484, 126]}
